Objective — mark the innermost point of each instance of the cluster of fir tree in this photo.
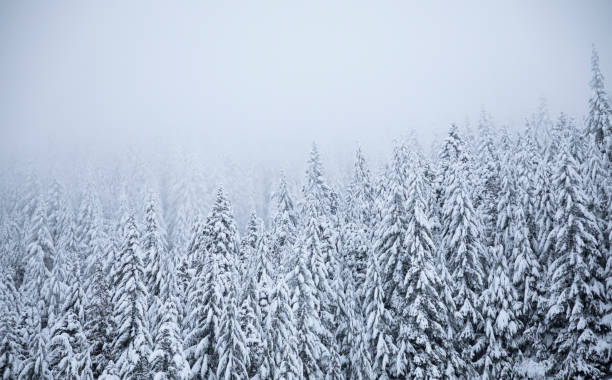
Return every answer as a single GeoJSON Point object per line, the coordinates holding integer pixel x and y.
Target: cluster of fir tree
{"type": "Point", "coordinates": [490, 259]}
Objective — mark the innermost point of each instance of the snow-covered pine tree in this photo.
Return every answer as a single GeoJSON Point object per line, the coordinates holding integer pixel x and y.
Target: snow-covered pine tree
{"type": "Point", "coordinates": [283, 339]}
{"type": "Point", "coordinates": [519, 263]}
{"type": "Point", "coordinates": [453, 151]}
{"type": "Point", "coordinates": [154, 246]}
{"type": "Point", "coordinates": [248, 245]}
{"type": "Point", "coordinates": [264, 274]}
{"type": "Point", "coordinates": [284, 224]}
{"type": "Point", "coordinates": [250, 319]}
{"type": "Point", "coordinates": [28, 198]}
{"type": "Point", "coordinates": [599, 119]}
{"type": "Point", "coordinates": [191, 262]}
{"type": "Point", "coordinates": [36, 365]}
{"type": "Point", "coordinates": [389, 247]}
{"type": "Point", "coordinates": [57, 214]}
{"type": "Point", "coordinates": [85, 224]}
{"type": "Point", "coordinates": [415, 300]}
{"type": "Point", "coordinates": [132, 344]}
{"type": "Point", "coordinates": [69, 351]}
{"type": "Point", "coordinates": [167, 359]}
{"type": "Point", "coordinates": [28, 328]}
{"type": "Point", "coordinates": [487, 168]}
{"type": "Point", "coordinates": [231, 344]}
{"type": "Point", "coordinates": [40, 256]}
{"type": "Point", "coordinates": [360, 199]}
{"type": "Point", "coordinates": [255, 299]}
{"type": "Point", "coordinates": [361, 365]}
{"type": "Point", "coordinates": [9, 340]}
{"type": "Point", "coordinates": [501, 322]}
{"type": "Point", "coordinates": [464, 255]}
{"type": "Point", "coordinates": [574, 318]}
{"type": "Point", "coordinates": [318, 240]}
{"type": "Point", "coordinates": [99, 324]}
{"type": "Point", "coordinates": [346, 320]}
{"type": "Point", "coordinates": [210, 286]}
{"type": "Point", "coordinates": [306, 305]}
{"type": "Point", "coordinates": [201, 324]}
{"type": "Point", "coordinates": [156, 259]}
{"type": "Point", "coordinates": [377, 327]}
{"type": "Point", "coordinates": [315, 186]}
{"type": "Point", "coordinates": [223, 241]}
{"type": "Point", "coordinates": [356, 231]}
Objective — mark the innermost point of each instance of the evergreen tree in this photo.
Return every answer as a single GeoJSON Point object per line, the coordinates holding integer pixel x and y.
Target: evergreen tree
{"type": "Point", "coordinates": [453, 152]}
{"type": "Point", "coordinates": [284, 224]}
{"type": "Point", "coordinates": [377, 335]}
{"type": "Point", "coordinates": [85, 224]}
{"type": "Point", "coordinates": [40, 255]}
{"type": "Point", "coordinates": [464, 256]}
{"type": "Point", "coordinates": [231, 345]}
{"type": "Point", "coordinates": [57, 214]}
{"type": "Point", "coordinates": [132, 344]}
{"type": "Point", "coordinates": [306, 307]}
{"type": "Point", "coordinates": [255, 302]}
{"type": "Point", "coordinates": [209, 288]}
{"type": "Point", "coordinates": [222, 236]}
{"type": "Point", "coordinates": [574, 316]}
{"type": "Point", "coordinates": [487, 170]}
{"type": "Point", "coordinates": [599, 119]}
{"type": "Point", "coordinates": [501, 322]}
{"type": "Point", "coordinates": [36, 365]}
{"type": "Point", "coordinates": [512, 238]}
{"type": "Point", "coordinates": [346, 321]}
{"type": "Point", "coordinates": [315, 186]}
{"type": "Point", "coordinates": [154, 246]}
{"type": "Point", "coordinates": [99, 324]}
{"type": "Point", "coordinates": [421, 312]}
{"type": "Point", "coordinates": [205, 305]}
{"type": "Point", "coordinates": [9, 339]}
{"type": "Point", "coordinates": [390, 247]}
{"type": "Point", "coordinates": [167, 359]}
{"type": "Point", "coordinates": [360, 199]}
{"type": "Point", "coordinates": [356, 232]}
{"type": "Point", "coordinates": [157, 261]}
{"type": "Point", "coordinates": [69, 349]}
{"type": "Point", "coordinates": [283, 341]}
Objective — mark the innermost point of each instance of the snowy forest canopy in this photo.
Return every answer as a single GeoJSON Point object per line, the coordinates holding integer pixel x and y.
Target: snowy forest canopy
{"type": "Point", "coordinates": [489, 257]}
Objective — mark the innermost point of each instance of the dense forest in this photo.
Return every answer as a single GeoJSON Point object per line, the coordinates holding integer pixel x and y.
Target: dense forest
{"type": "Point", "coordinates": [489, 257]}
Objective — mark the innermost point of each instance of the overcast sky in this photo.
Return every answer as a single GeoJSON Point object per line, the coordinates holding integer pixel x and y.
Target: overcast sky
{"type": "Point", "coordinates": [271, 76]}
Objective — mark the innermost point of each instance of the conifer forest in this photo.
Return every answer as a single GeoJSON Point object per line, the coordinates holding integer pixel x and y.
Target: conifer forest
{"type": "Point", "coordinates": [305, 190]}
{"type": "Point", "coordinates": [489, 257]}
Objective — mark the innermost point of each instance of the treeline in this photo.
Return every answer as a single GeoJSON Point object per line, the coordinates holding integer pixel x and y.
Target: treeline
{"type": "Point", "coordinates": [490, 259]}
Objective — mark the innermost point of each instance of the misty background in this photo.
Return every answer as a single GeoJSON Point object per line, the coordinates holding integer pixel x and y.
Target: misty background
{"type": "Point", "coordinates": [259, 81]}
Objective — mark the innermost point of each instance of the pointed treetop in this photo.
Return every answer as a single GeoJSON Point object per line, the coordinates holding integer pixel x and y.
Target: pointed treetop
{"type": "Point", "coordinates": [597, 81]}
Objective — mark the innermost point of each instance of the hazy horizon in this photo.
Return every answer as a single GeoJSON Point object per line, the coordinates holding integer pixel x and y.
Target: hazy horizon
{"type": "Point", "coordinates": [264, 79]}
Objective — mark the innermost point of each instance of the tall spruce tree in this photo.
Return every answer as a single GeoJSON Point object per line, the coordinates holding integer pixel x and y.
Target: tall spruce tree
{"type": "Point", "coordinates": [208, 289]}
{"type": "Point", "coordinates": [69, 350]}
{"type": "Point", "coordinates": [501, 323]}
{"type": "Point", "coordinates": [132, 344]}
{"type": "Point", "coordinates": [599, 119]}
{"type": "Point", "coordinates": [283, 339]}
{"type": "Point", "coordinates": [421, 309]}
{"type": "Point", "coordinates": [284, 224]}
{"type": "Point", "coordinates": [231, 344]}
{"type": "Point", "coordinates": [464, 255]}
{"type": "Point", "coordinates": [574, 316]}
{"type": "Point", "coordinates": [167, 359]}
{"type": "Point", "coordinates": [377, 329]}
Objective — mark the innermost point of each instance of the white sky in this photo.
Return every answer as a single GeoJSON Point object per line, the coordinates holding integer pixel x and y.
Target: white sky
{"type": "Point", "coordinates": [268, 77]}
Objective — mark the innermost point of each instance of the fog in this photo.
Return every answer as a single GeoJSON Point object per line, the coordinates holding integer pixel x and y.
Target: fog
{"type": "Point", "coordinates": [262, 80]}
